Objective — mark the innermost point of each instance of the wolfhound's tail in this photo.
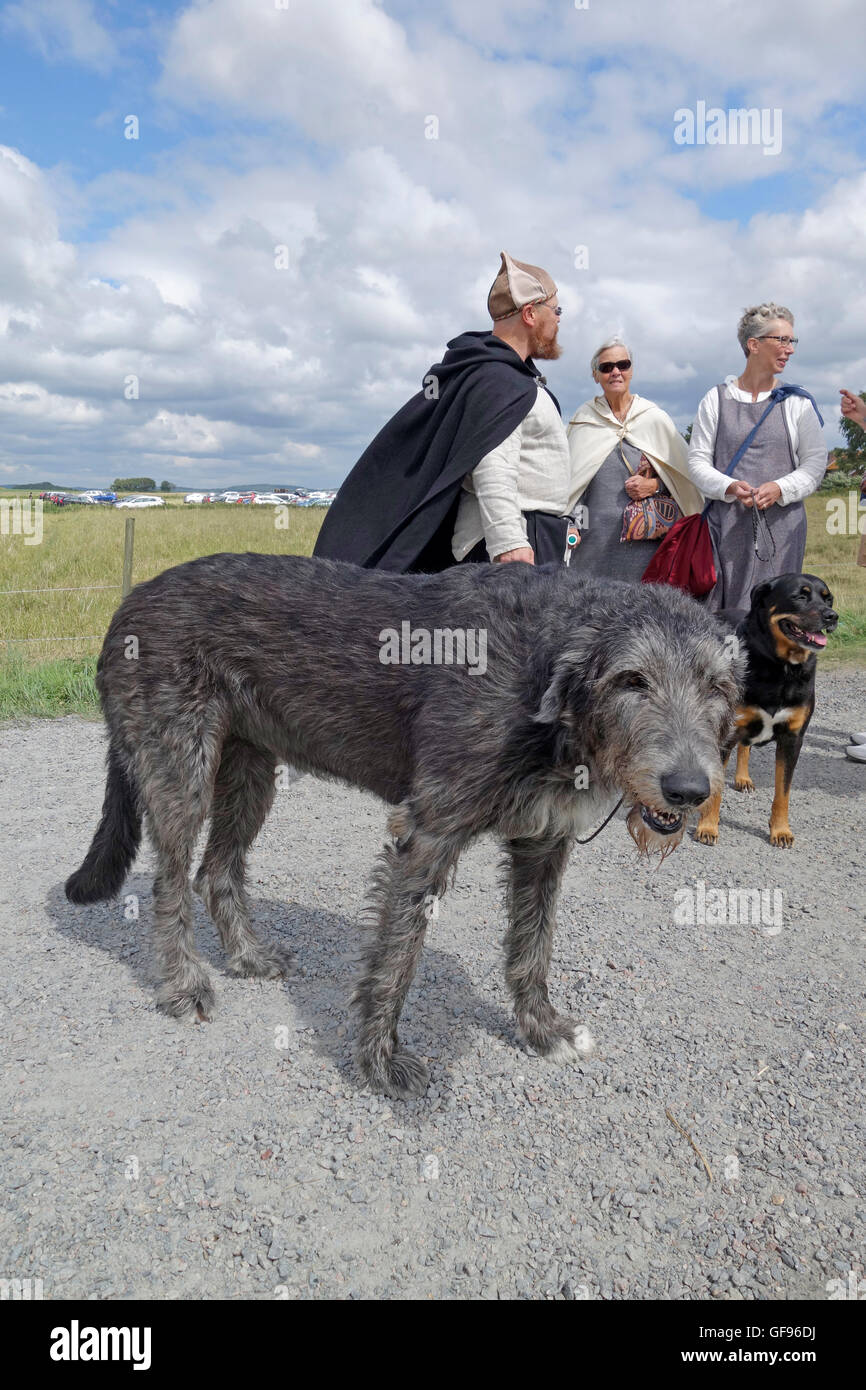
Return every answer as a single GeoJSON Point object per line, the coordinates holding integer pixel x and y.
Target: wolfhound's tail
{"type": "Point", "coordinates": [115, 843]}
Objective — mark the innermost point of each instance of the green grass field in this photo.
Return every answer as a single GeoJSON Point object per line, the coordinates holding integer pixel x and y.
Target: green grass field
{"type": "Point", "coordinates": [49, 640]}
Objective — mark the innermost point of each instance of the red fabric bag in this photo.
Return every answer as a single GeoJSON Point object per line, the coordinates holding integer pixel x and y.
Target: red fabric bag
{"type": "Point", "coordinates": [684, 558]}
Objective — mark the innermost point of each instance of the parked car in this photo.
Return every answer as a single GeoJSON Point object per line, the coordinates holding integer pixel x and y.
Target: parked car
{"type": "Point", "coordinates": [141, 502]}
{"type": "Point", "coordinates": [271, 499]}
{"type": "Point", "coordinates": [194, 497]}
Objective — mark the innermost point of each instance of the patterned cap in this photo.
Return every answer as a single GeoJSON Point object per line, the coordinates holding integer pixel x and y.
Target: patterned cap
{"type": "Point", "coordinates": [517, 284]}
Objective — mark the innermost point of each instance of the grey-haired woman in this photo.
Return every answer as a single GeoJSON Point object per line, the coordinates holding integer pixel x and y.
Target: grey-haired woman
{"type": "Point", "coordinates": [623, 449]}
{"type": "Point", "coordinates": [784, 463]}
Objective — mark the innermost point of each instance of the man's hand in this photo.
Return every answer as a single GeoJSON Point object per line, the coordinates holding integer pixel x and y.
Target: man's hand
{"type": "Point", "coordinates": [740, 491]}
{"type": "Point", "coordinates": [639, 487]}
{"type": "Point", "coordinates": [766, 495]}
{"type": "Point", "coordinates": [853, 408]}
{"type": "Point", "coordinates": [524, 553]}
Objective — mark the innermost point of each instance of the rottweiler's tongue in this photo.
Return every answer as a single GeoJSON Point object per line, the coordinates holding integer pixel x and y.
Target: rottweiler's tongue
{"type": "Point", "coordinates": [818, 638]}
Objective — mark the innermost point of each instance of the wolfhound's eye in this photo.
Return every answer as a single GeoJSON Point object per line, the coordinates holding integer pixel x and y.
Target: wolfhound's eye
{"type": "Point", "coordinates": [633, 680]}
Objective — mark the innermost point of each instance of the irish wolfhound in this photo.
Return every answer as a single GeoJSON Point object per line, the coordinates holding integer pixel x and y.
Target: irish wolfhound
{"type": "Point", "coordinates": [488, 698]}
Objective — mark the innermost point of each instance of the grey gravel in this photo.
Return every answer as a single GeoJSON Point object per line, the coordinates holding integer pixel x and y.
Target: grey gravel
{"type": "Point", "coordinates": [142, 1157]}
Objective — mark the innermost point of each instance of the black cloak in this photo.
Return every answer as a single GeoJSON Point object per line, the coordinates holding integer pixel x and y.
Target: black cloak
{"type": "Point", "coordinates": [398, 506]}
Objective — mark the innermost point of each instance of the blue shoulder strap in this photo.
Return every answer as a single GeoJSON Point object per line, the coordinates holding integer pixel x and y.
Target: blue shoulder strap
{"type": "Point", "coordinates": [779, 393]}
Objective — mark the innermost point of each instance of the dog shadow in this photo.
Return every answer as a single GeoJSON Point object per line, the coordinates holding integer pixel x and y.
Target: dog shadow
{"type": "Point", "coordinates": [443, 1009]}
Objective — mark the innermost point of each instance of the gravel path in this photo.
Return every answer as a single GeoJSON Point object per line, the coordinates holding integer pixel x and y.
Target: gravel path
{"type": "Point", "coordinates": [148, 1158]}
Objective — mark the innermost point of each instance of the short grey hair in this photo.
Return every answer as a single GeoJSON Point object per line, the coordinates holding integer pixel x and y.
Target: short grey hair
{"type": "Point", "coordinates": [755, 321]}
{"type": "Point", "coordinates": [611, 342]}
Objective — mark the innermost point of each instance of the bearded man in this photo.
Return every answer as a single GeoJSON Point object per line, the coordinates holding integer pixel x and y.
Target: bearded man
{"type": "Point", "coordinates": [476, 465]}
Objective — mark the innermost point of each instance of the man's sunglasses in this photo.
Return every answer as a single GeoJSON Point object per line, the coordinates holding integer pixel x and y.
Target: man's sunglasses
{"type": "Point", "coordinates": [606, 367]}
{"type": "Point", "coordinates": [557, 311]}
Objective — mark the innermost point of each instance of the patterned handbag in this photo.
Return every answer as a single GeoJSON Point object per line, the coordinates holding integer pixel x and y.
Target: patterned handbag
{"type": "Point", "coordinates": [650, 518]}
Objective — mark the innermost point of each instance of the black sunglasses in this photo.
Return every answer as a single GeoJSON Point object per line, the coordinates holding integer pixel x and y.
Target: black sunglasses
{"type": "Point", "coordinates": [606, 367]}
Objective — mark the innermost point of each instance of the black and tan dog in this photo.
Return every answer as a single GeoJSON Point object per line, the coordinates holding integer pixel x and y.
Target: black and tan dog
{"type": "Point", "coordinates": [780, 635]}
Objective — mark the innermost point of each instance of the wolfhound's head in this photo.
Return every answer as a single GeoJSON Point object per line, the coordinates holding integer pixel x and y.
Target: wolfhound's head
{"type": "Point", "coordinates": [647, 689]}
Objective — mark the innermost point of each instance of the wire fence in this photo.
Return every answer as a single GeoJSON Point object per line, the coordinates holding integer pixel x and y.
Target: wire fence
{"type": "Point", "coordinates": [123, 588]}
{"type": "Point", "coordinates": [126, 585]}
{"type": "Point", "coordinates": [66, 589]}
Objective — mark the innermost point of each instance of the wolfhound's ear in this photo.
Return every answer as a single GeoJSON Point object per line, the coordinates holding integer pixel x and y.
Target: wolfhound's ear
{"type": "Point", "coordinates": [569, 674]}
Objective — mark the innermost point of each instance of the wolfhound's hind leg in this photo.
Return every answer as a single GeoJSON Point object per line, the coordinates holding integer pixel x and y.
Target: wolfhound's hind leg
{"type": "Point", "coordinates": [185, 987]}
{"type": "Point", "coordinates": [534, 874]}
{"type": "Point", "coordinates": [174, 771]}
{"type": "Point", "coordinates": [243, 795]}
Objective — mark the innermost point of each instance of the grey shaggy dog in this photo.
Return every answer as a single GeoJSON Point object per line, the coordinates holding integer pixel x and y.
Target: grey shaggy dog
{"type": "Point", "coordinates": [561, 695]}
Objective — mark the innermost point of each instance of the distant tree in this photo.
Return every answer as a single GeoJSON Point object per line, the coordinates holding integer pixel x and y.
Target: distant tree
{"type": "Point", "coordinates": [133, 485]}
{"type": "Point", "coordinates": [855, 438]}
{"type": "Point", "coordinates": [165, 486]}
{"type": "Point", "coordinates": [687, 433]}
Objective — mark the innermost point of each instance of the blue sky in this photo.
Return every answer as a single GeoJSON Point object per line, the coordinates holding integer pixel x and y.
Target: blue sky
{"type": "Point", "coordinates": [153, 260]}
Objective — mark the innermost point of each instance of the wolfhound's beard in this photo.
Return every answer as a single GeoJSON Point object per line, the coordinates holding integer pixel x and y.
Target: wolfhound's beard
{"type": "Point", "coordinates": [650, 841]}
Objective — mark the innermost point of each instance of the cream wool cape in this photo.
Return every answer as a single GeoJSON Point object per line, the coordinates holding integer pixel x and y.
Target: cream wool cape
{"type": "Point", "coordinates": [594, 430]}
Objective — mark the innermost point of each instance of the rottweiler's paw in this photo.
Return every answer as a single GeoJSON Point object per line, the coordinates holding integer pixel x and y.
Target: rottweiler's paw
{"type": "Point", "coordinates": [782, 837]}
{"type": "Point", "coordinates": [707, 834]}
{"type": "Point", "coordinates": [743, 784]}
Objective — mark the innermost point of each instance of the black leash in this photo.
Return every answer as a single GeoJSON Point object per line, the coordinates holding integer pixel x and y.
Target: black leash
{"type": "Point", "coordinates": [759, 524]}
{"type": "Point", "coordinates": [604, 823]}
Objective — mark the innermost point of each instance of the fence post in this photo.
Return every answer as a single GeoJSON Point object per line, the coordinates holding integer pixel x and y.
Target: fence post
{"type": "Point", "coordinates": [128, 541]}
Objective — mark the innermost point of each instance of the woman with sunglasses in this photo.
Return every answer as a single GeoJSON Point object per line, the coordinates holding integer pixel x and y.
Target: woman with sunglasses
{"type": "Point", "coordinates": [624, 450]}
{"type": "Point", "coordinates": [757, 519]}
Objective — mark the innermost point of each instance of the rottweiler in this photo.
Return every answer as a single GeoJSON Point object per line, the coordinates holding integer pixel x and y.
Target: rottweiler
{"type": "Point", "coordinates": [781, 635]}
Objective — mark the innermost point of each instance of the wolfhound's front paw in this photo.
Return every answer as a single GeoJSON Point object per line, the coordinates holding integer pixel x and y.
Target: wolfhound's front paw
{"type": "Point", "coordinates": [186, 1001]}
{"type": "Point", "coordinates": [265, 963]}
{"type": "Point", "coordinates": [403, 1076]}
{"type": "Point", "coordinates": [573, 1045]}
{"type": "Point", "coordinates": [559, 1041]}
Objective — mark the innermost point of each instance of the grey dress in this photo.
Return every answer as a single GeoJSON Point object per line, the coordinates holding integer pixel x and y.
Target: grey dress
{"type": "Point", "coordinates": [601, 553]}
{"type": "Point", "coordinates": [770, 455]}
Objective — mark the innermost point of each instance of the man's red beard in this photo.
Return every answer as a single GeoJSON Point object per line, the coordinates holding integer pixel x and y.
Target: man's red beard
{"type": "Point", "coordinates": [547, 349]}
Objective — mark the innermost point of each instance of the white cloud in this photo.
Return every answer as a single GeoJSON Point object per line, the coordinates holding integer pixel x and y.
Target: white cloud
{"type": "Point", "coordinates": [62, 30]}
{"type": "Point", "coordinates": [392, 239]}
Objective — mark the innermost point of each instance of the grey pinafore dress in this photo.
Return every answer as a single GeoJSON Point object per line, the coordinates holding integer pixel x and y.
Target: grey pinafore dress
{"type": "Point", "coordinates": [769, 456]}
{"type": "Point", "coordinates": [601, 553]}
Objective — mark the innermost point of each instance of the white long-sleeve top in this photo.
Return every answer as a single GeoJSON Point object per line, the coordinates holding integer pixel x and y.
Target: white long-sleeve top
{"type": "Point", "coordinates": [810, 451]}
{"type": "Point", "coordinates": [529, 471]}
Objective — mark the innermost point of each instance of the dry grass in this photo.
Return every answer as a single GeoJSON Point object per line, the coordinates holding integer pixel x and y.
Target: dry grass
{"type": "Point", "coordinates": [49, 640]}
{"type": "Point", "coordinates": [83, 547]}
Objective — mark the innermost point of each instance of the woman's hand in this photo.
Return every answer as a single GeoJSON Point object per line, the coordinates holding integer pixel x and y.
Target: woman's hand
{"type": "Point", "coordinates": [766, 495]}
{"type": "Point", "coordinates": [740, 491]}
{"type": "Point", "coordinates": [853, 408]}
{"type": "Point", "coordinates": [638, 487]}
